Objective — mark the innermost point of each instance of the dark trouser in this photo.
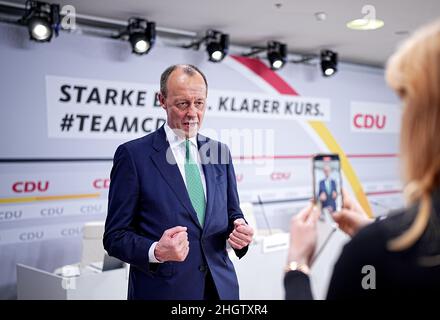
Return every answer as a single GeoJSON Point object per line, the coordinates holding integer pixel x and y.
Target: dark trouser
{"type": "Point", "coordinates": [210, 289]}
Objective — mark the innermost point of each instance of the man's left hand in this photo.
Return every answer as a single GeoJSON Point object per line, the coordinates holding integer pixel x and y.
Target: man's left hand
{"type": "Point", "coordinates": [242, 234]}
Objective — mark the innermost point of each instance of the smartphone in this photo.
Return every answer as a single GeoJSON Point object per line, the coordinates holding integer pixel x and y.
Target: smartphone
{"type": "Point", "coordinates": [327, 182]}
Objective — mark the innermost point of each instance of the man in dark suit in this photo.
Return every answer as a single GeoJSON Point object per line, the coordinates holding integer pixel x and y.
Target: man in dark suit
{"type": "Point", "coordinates": [327, 191]}
{"type": "Point", "coordinates": [173, 202]}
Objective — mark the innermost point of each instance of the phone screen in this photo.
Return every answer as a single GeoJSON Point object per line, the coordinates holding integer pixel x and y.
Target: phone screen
{"type": "Point", "coordinates": [327, 182]}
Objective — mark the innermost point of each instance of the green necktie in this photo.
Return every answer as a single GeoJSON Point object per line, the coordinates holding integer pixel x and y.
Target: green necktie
{"type": "Point", "coordinates": [327, 184]}
{"type": "Point", "coordinates": [194, 184]}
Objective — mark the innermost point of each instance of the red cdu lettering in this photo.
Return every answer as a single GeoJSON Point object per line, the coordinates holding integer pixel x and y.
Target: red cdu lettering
{"type": "Point", "coordinates": [17, 187]}
{"type": "Point", "coordinates": [30, 186]}
{"type": "Point", "coordinates": [101, 183]}
{"type": "Point", "coordinates": [380, 125]}
{"type": "Point", "coordinates": [276, 176]}
{"type": "Point", "coordinates": [356, 120]}
{"type": "Point", "coordinates": [368, 121]}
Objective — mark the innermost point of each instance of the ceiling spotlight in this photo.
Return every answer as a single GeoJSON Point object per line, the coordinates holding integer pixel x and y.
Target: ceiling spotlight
{"type": "Point", "coordinates": [42, 20]}
{"type": "Point", "coordinates": [140, 33]}
{"type": "Point", "coordinates": [217, 45]}
{"type": "Point", "coordinates": [329, 63]}
{"type": "Point", "coordinates": [276, 54]}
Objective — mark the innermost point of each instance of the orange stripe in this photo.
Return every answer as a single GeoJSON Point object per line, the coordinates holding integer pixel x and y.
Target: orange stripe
{"type": "Point", "coordinates": [49, 198]}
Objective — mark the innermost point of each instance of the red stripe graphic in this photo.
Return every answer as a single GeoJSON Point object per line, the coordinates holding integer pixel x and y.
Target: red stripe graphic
{"type": "Point", "coordinates": [308, 156]}
{"type": "Point", "coordinates": [272, 78]}
{"type": "Point", "coordinates": [378, 193]}
{"type": "Point", "coordinates": [266, 74]}
{"type": "Point", "coordinates": [271, 157]}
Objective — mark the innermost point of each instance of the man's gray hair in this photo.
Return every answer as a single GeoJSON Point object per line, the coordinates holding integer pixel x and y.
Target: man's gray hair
{"type": "Point", "coordinates": [189, 69]}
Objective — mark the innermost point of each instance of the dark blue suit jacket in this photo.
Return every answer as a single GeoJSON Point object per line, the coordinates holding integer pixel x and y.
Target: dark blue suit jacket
{"type": "Point", "coordinates": [148, 195]}
{"type": "Point", "coordinates": [330, 202]}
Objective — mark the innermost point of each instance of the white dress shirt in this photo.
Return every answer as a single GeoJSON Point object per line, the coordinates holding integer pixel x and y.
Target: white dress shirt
{"type": "Point", "coordinates": [177, 145]}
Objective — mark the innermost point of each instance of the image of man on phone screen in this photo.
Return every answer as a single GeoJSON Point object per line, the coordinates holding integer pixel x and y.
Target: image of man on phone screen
{"type": "Point", "coordinates": [327, 190]}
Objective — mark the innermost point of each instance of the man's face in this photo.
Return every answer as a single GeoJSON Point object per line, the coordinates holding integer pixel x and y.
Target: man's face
{"type": "Point", "coordinates": [185, 102]}
{"type": "Point", "coordinates": [327, 171]}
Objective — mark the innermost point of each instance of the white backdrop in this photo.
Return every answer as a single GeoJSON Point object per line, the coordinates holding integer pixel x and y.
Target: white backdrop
{"type": "Point", "coordinates": [66, 106]}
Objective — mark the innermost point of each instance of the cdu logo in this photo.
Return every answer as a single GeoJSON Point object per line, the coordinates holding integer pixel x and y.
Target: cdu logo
{"type": "Point", "coordinates": [370, 121]}
{"type": "Point", "coordinates": [101, 183]}
{"type": "Point", "coordinates": [279, 176]}
{"type": "Point", "coordinates": [92, 209]}
{"type": "Point", "coordinates": [71, 232]}
{"type": "Point", "coordinates": [30, 186]}
{"type": "Point", "coordinates": [31, 236]}
{"type": "Point", "coordinates": [11, 215]}
{"type": "Point", "coordinates": [52, 212]}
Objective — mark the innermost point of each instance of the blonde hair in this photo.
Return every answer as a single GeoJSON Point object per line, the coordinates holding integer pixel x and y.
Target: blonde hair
{"type": "Point", "coordinates": [414, 73]}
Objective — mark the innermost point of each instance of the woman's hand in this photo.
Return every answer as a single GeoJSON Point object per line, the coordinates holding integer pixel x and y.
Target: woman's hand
{"type": "Point", "coordinates": [352, 217]}
{"type": "Point", "coordinates": [303, 235]}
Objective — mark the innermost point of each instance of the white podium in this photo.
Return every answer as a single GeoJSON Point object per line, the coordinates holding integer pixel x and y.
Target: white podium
{"type": "Point", "coordinates": [260, 272]}
{"type": "Point", "coordinates": [35, 284]}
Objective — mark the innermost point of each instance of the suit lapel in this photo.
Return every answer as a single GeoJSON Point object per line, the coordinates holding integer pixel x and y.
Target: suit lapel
{"type": "Point", "coordinates": [210, 176]}
{"type": "Point", "coordinates": [171, 173]}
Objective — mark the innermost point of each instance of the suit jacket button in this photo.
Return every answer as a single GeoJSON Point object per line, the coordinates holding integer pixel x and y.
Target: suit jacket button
{"type": "Point", "coordinates": [202, 268]}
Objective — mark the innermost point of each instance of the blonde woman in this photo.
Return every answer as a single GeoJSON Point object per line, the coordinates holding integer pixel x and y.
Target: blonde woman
{"type": "Point", "coordinates": [398, 256]}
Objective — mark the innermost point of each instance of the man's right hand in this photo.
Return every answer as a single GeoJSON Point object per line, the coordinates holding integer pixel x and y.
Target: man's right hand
{"type": "Point", "coordinates": [173, 245]}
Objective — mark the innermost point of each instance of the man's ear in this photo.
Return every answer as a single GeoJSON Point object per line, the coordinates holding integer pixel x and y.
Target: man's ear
{"type": "Point", "coordinates": [162, 100]}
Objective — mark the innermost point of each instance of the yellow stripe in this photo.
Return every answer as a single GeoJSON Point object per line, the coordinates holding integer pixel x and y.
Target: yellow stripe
{"type": "Point", "coordinates": [49, 198]}
{"type": "Point", "coordinates": [348, 170]}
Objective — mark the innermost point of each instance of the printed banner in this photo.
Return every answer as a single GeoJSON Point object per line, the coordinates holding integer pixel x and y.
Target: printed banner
{"type": "Point", "coordinates": [374, 117]}
{"type": "Point", "coordinates": [86, 108]}
{"type": "Point", "coordinates": [40, 233]}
